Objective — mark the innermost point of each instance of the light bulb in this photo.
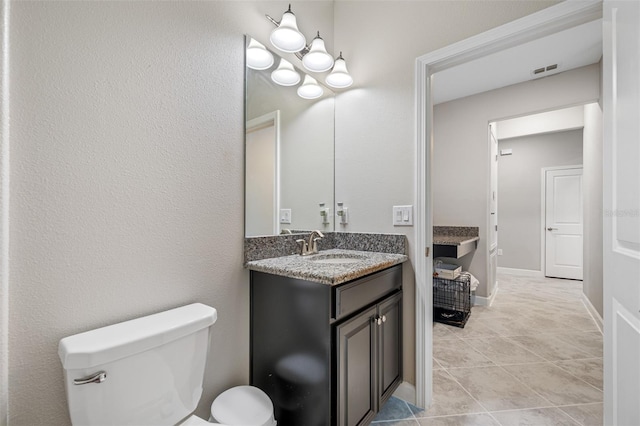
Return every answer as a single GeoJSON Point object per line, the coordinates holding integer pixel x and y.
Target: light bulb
{"type": "Point", "coordinates": [310, 88]}
{"type": "Point", "coordinates": [339, 76]}
{"type": "Point", "coordinates": [317, 60]}
{"type": "Point", "coordinates": [285, 74]}
{"type": "Point", "coordinates": [286, 36]}
{"type": "Point", "coordinates": [258, 57]}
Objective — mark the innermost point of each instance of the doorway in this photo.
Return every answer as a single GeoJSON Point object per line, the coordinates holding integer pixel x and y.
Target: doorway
{"type": "Point", "coordinates": [562, 16]}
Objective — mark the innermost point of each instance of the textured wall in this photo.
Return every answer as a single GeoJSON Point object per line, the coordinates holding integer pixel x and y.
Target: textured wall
{"type": "Point", "coordinates": [460, 138]}
{"type": "Point", "coordinates": [520, 192]}
{"type": "Point", "coordinates": [127, 178]}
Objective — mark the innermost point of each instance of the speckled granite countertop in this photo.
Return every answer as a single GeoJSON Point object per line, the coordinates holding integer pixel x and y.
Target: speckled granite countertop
{"type": "Point", "coordinates": [311, 267]}
{"type": "Point", "coordinates": [449, 240]}
{"type": "Point", "coordinates": [455, 235]}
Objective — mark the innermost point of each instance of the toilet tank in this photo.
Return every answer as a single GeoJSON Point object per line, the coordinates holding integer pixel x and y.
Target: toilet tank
{"type": "Point", "coordinates": [153, 368]}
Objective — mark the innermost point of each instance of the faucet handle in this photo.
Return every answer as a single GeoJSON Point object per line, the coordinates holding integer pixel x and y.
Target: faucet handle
{"type": "Point", "coordinates": [304, 248]}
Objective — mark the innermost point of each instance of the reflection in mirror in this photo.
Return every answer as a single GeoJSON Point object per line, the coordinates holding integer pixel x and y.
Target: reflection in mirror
{"type": "Point", "coordinates": [289, 151]}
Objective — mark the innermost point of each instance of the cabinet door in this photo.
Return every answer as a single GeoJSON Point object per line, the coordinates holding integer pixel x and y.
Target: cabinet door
{"type": "Point", "coordinates": [356, 352]}
{"type": "Point", "coordinates": [390, 347]}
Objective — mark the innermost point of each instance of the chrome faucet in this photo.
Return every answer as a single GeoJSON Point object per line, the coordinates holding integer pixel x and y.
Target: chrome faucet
{"type": "Point", "coordinates": [311, 246]}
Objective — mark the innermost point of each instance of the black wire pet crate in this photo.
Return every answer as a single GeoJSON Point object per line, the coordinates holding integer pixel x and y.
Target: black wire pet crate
{"type": "Point", "coordinates": [452, 300]}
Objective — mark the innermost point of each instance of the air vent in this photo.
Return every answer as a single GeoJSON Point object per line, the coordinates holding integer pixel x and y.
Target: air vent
{"type": "Point", "coordinates": [543, 70]}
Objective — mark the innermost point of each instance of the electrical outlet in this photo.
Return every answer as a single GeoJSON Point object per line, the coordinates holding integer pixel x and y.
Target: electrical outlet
{"type": "Point", "coordinates": [285, 216]}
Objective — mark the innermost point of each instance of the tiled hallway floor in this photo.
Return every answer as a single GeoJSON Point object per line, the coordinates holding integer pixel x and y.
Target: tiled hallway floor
{"type": "Point", "coordinates": [533, 358]}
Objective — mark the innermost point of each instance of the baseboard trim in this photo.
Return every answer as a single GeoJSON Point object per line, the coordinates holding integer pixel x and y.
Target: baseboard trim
{"type": "Point", "coordinates": [406, 392]}
{"type": "Point", "coordinates": [485, 301]}
{"type": "Point", "coordinates": [593, 312]}
{"type": "Point", "coordinates": [520, 272]}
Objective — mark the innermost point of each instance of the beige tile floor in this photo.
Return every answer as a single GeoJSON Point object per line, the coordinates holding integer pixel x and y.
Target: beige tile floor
{"type": "Point", "coordinates": [533, 358]}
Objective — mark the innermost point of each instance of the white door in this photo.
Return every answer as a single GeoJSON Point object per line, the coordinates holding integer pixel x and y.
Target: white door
{"type": "Point", "coordinates": [621, 186]}
{"type": "Point", "coordinates": [563, 223]}
{"type": "Point", "coordinates": [262, 176]}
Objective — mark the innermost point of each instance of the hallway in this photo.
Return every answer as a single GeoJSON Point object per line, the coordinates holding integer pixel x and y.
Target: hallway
{"type": "Point", "coordinates": [534, 357]}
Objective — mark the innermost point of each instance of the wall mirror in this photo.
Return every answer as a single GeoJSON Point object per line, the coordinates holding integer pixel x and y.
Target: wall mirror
{"type": "Point", "coordinates": [289, 155]}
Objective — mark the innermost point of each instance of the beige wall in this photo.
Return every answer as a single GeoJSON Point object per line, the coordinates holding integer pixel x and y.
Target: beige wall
{"type": "Point", "coordinates": [375, 123]}
{"type": "Point", "coordinates": [593, 213]}
{"type": "Point", "coordinates": [127, 162]}
{"type": "Point", "coordinates": [520, 192]}
{"type": "Point", "coordinates": [460, 138]}
{"type": "Point", "coordinates": [126, 178]}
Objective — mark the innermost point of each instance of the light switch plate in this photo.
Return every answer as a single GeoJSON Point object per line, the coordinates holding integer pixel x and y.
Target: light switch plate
{"type": "Point", "coordinates": [285, 216]}
{"type": "Point", "coordinates": [402, 215]}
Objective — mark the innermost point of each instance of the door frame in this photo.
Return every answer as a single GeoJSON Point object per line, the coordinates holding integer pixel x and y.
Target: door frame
{"type": "Point", "coordinates": [267, 120]}
{"type": "Point", "coordinates": [547, 21]}
{"type": "Point", "coordinates": [543, 213]}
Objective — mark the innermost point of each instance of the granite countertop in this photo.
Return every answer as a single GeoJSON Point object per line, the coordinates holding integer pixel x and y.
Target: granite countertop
{"type": "Point", "coordinates": [453, 240]}
{"type": "Point", "coordinates": [311, 267]}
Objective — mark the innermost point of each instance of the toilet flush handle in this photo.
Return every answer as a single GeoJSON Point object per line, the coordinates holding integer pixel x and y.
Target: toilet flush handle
{"type": "Point", "coordinates": [98, 377]}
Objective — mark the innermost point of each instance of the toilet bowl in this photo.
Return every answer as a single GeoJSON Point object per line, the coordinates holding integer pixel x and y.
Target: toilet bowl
{"type": "Point", "coordinates": [243, 406]}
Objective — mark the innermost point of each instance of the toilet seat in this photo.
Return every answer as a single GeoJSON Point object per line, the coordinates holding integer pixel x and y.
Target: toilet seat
{"type": "Point", "coordinates": [243, 406]}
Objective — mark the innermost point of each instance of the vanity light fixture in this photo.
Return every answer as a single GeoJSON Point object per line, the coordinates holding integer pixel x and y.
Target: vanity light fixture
{"type": "Point", "coordinates": [310, 89]}
{"type": "Point", "coordinates": [258, 57]}
{"type": "Point", "coordinates": [339, 77]}
{"type": "Point", "coordinates": [287, 37]}
{"type": "Point", "coordinates": [317, 59]}
{"type": "Point", "coordinates": [285, 74]}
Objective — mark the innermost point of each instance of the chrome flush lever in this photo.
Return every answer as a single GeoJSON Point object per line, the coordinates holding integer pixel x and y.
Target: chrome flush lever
{"type": "Point", "coordinates": [98, 377]}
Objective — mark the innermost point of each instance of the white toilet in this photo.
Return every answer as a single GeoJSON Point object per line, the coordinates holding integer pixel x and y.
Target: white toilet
{"type": "Point", "coordinates": [149, 371]}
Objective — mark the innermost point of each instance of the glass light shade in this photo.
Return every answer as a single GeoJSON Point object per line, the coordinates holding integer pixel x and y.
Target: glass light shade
{"type": "Point", "coordinates": [310, 88]}
{"type": "Point", "coordinates": [317, 60]}
{"type": "Point", "coordinates": [285, 74]}
{"type": "Point", "coordinates": [339, 76]}
{"type": "Point", "coordinates": [287, 37]}
{"type": "Point", "coordinates": [258, 57]}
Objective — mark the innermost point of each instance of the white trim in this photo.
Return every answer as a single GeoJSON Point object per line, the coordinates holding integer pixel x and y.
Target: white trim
{"type": "Point", "coordinates": [547, 21]}
{"type": "Point", "coordinates": [593, 312]}
{"type": "Point", "coordinates": [520, 272]}
{"type": "Point", "coordinates": [406, 392]}
{"type": "Point", "coordinates": [270, 119]}
{"type": "Point", "coordinates": [4, 227]}
{"type": "Point", "coordinates": [485, 301]}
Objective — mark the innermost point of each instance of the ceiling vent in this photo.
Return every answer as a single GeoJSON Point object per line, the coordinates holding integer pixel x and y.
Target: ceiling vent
{"type": "Point", "coordinates": [544, 70]}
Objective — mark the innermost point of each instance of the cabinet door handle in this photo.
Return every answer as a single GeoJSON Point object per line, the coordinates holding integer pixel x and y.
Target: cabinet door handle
{"type": "Point", "coordinates": [377, 319]}
{"type": "Point", "coordinates": [384, 318]}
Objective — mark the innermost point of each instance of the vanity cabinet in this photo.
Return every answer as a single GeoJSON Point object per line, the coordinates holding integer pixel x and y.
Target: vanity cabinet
{"type": "Point", "coordinates": [327, 355]}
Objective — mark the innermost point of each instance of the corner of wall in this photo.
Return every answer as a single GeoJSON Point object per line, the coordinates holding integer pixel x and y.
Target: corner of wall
{"type": "Point", "coordinates": [4, 205]}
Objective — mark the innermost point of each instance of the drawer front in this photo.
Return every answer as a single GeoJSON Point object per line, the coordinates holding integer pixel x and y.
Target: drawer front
{"type": "Point", "coordinates": [350, 297]}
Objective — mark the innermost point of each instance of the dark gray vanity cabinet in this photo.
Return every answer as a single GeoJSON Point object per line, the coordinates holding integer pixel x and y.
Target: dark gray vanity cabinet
{"type": "Point", "coordinates": [327, 355]}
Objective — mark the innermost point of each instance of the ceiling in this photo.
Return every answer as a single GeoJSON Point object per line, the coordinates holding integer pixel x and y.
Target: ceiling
{"type": "Point", "coordinates": [572, 48]}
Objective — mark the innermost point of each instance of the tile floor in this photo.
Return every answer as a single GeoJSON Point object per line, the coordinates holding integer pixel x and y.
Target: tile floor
{"type": "Point", "coordinates": [533, 358]}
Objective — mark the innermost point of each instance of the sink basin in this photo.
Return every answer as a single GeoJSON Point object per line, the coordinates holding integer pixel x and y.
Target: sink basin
{"type": "Point", "coordinates": [336, 259]}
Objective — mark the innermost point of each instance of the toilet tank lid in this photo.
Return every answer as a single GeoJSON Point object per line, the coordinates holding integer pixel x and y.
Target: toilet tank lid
{"type": "Point", "coordinates": [117, 341]}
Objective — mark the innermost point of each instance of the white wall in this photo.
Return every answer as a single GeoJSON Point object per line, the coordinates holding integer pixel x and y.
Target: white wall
{"type": "Point", "coordinates": [545, 122]}
{"type": "Point", "coordinates": [375, 158]}
{"type": "Point", "coordinates": [127, 178]}
{"type": "Point", "coordinates": [127, 162]}
{"type": "Point", "coordinates": [593, 213]}
{"type": "Point", "coordinates": [520, 219]}
{"type": "Point", "coordinates": [460, 139]}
